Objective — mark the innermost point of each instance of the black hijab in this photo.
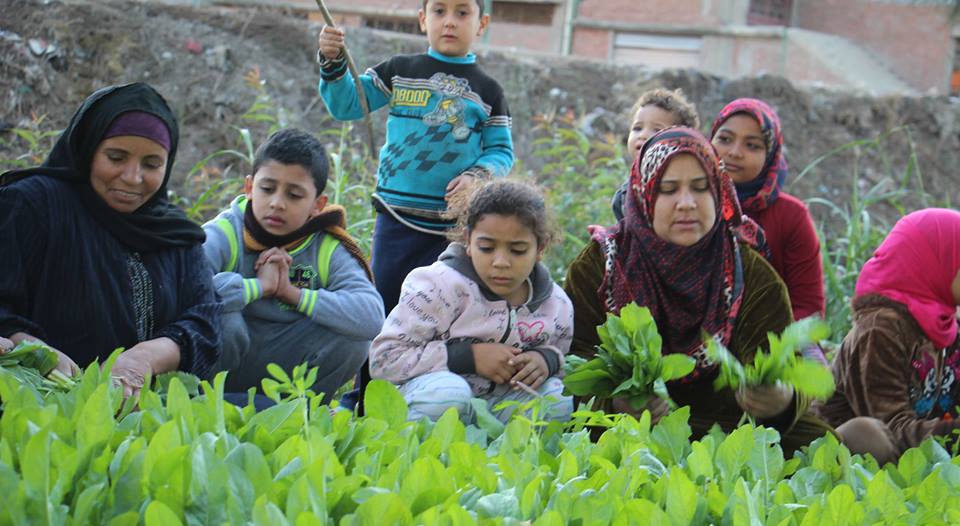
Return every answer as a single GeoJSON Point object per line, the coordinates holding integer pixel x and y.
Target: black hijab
{"type": "Point", "coordinates": [157, 224]}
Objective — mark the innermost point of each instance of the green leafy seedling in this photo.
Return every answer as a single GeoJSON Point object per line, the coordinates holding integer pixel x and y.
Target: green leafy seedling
{"type": "Point", "coordinates": [781, 365]}
{"type": "Point", "coordinates": [629, 361]}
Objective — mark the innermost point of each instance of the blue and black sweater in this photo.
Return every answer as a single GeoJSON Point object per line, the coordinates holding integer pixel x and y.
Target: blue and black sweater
{"type": "Point", "coordinates": [446, 117]}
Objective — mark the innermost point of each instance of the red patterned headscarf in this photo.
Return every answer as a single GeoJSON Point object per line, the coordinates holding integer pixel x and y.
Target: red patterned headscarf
{"type": "Point", "coordinates": [760, 193]}
{"type": "Point", "coordinates": [691, 289]}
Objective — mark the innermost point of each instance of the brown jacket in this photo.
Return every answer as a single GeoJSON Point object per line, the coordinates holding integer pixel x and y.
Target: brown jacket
{"type": "Point", "coordinates": [765, 307]}
{"type": "Point", "coordinates": [887, 368]}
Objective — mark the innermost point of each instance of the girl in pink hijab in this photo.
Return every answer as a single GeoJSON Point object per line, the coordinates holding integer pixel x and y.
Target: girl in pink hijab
{"type": "Point", "coordinates": [899, 363]}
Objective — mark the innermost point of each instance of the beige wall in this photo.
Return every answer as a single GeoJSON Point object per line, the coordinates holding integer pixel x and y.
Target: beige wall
{"type": "Point", "coordinates": [913, 40]}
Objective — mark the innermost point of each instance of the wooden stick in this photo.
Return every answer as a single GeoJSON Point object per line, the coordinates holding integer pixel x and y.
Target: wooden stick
{"type": "Point", "coordinates": [356, 82]}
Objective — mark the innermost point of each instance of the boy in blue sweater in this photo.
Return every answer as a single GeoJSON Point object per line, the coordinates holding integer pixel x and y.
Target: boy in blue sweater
{"type": "Point", "coordinates": [294, 285]}
{"type": "Point", "coordinates": [448, 123]}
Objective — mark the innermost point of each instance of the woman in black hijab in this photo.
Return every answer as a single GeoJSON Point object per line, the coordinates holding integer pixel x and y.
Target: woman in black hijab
{"type": "Point", "coordinates": [95, 257]}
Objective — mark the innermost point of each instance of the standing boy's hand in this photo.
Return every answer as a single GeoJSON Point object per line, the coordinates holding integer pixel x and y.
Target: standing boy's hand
{"type": "Point", "coordinates": [495, 361]}
{"type": "Point", "coordinates": [330, 42]}
{"type": "Point", "coordinates": [532, 370]}
{"type": "Point", "coordinates": [458, 183]}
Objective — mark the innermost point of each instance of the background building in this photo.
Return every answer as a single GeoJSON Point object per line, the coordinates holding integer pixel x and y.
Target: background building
{"type": "Point", "coordinates": [877, 45]}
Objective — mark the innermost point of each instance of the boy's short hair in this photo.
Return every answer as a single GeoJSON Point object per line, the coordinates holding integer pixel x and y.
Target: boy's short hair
{"type": "Point", "coordinates": [293, 146]}
{"type": "Point", "coordinates": [670, 101]}
{"type": "Point", "coordinates": [480, 5]}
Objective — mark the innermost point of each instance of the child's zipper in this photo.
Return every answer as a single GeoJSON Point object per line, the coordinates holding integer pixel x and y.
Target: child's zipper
{"type": "Point", "coordinates": [511, 323]}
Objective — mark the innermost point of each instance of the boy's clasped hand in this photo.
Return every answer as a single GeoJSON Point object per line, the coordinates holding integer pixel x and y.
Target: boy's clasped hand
{"type": "Point", "coordinates": [273, 271]}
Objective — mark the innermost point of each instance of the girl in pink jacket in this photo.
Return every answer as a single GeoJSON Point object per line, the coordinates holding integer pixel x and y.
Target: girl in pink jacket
{"type": "Point", "coordinates": [486, 320]}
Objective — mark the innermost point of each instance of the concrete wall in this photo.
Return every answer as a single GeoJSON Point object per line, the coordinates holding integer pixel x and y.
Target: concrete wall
{"type": "Point", "coordinates": [913, 40]}
{"type": "Point", "coordinates": [708, 13]}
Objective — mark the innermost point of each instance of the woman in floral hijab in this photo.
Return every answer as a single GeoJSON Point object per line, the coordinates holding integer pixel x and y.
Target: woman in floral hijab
{"type": "Point", "coordinates": [685, 250]}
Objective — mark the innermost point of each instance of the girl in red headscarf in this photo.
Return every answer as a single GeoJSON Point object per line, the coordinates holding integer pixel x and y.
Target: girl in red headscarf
{"type": "Point", "coordinates": [685, 250]}
{"type": "Point", "coordinates": [899, 362]}
{"type": "Point", "coordinates": [747, 137]}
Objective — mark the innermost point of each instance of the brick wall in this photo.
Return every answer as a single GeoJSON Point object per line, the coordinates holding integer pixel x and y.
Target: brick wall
{"type": "Point", "coordinates": [711, 13]}
{"type": "Point", "coordinates": [544, 39]}
{"type": "Point", "coordinates": [913, 40]}
{"type": "Point", "coordinates": [592, 43]}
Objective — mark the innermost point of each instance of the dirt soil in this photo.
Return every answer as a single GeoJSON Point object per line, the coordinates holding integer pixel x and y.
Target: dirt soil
{"type": "Point", "coordinates": [53, 54]}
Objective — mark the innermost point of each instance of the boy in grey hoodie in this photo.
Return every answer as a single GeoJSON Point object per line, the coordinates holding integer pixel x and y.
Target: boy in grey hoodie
{"type": "Point", "coordinates": [294, 285]}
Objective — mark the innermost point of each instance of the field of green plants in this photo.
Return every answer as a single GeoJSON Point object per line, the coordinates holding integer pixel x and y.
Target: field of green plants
{"type": "Point", "coordinates": [74, 452]}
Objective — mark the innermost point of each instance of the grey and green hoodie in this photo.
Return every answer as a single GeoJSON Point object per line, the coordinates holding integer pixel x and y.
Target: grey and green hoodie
{"type": "Point", "coordinates": [339, 303]}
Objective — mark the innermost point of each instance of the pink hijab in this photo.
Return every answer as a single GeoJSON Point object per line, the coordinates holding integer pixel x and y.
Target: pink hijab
{"type": "Point", "coordinates": [915, 265]}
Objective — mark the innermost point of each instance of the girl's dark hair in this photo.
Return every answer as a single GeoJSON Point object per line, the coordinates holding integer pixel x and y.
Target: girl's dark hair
{"type": "Point", "coordinates": [504, 197]}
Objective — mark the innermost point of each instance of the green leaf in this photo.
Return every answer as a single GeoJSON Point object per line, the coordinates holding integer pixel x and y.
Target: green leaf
{"type": "Point", "coordinates": [681, 497]}
{"type": "Point", "coordinates": [675, 366]}
{"type": "Point", "coordinates": [811, 378]}
{"type": "Point", "coordinates": [671, 436]}
{"type": "Point", "coordinates": [159, 514]}
{"type": "Point", "coordinates": [387, 509]}
{"type": "Point", "coordinates": [485, 419]}
{"type": "Point", "coordinates": [884, 496]}
{"type": "Point", "coordinates": [840, 502]}
{"type": "Point", "coordinates": [384, 401]}
{"type": "Point", "coordinates": [912, 466]}
{"type": "Point", "coordinates": [583, 382]}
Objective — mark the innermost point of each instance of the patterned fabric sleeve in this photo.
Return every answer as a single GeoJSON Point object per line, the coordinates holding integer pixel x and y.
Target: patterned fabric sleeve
{"type": "Point", "coordinates": [339, 93]}
{"type": "Point", "coordinates": [197, 330]}
{"type": "Point", "coordinates": [411, 343]}
{"type": "Point", "coordinates": [20, 233]}
{"type": "Point", "coordinates": [235, 291]}
{"type": "Point", "coordinates": [349, 305]}
{"type": "Point", "coordinates": [496, 139]}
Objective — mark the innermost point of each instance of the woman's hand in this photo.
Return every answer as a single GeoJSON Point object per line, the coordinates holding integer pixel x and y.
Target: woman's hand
{"type": "Point", "coordinates": [532, 370]}
{"type": "Point", "coordinates": [495, 361]}
{"type": "Point", "coordinates": [130, 371]}
{"type": "Point", "coordinates": [65, 364]}
{"type": "Point", "coordinates": [151, 357]}
{"type": "Point", "coordinates": [657, 406]}
{"type": "Point", "coordinates": [5, 345]}
{"type": "Point", "coordinates": [765, 401]}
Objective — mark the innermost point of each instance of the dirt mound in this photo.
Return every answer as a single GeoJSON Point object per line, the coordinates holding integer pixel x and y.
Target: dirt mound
{"type": "Point", "coordinates": [53, 54]}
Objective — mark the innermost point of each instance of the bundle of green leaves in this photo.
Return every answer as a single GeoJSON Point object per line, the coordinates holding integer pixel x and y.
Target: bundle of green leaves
{"type": "Point", "coordinates": [629, 362]}
{"type": "Point", "coordinates": [32, 363]}
{"type": "Point", "coordinates": [782, 365]}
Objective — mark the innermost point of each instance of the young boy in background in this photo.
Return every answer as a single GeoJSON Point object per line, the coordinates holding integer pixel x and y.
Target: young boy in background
{"type": "Point", "coordinates": [294, 285]}
{"type": "Point", "coordinates": [654, 110]}
{"type": "Point", "coordinates": [448, 124]}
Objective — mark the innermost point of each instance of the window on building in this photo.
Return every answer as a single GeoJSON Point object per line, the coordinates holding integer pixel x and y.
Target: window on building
{"type": "Point", "coordinates": [523, 13]}
{"type": "Point", "coordinates": [657, 51]}
{"type": "Point", "coordinates": [398, 25]}
{"type": "Point", "coordinates": [770, 12]}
